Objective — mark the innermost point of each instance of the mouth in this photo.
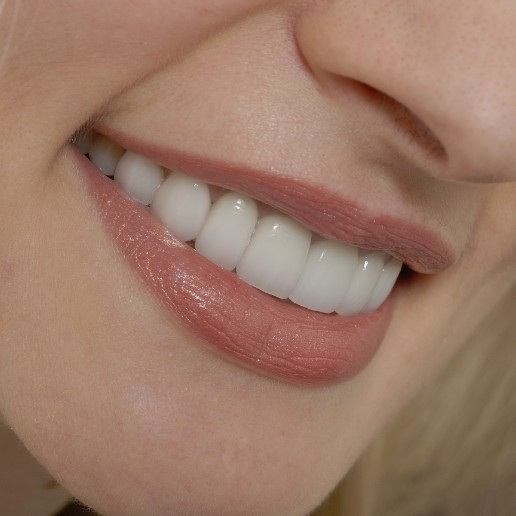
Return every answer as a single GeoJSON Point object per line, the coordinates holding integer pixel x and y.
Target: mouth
{"type": "Point", "coordinates": [242, 262]}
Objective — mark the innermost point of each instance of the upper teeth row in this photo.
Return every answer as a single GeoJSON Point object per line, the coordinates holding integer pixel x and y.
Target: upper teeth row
{"type": "Point", "coordinates": [273, 252]}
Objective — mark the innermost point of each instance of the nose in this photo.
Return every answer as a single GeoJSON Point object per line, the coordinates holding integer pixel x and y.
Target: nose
{"type": "Point", "coordinates": [452, 64]}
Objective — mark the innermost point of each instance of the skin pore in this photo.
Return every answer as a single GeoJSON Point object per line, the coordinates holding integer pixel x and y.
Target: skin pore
{"type": "Point", "coordinates": [409, 107]}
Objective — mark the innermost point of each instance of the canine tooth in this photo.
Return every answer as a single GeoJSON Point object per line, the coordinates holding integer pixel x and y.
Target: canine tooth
{"type": "Point", "coordinates": [228, 229]}
{"type": "Point", "coordinates": [366, 276]}
{"type": "Point", "coordinates": [327, 274]}
{"type": "Point", "coordinates": [382, 289]}
{"type": "Point", "coordinates": [181, 204]}
{"type": "Point", "coordinates": [138, 176]}
{"type": "Point", "coordinates": [105, 154]}
{"type": "Point", "coordinates": [275, 257]}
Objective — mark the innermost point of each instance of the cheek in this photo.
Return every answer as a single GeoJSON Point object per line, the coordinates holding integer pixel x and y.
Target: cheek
{"type": "Point", "coordinates": [102, 57]}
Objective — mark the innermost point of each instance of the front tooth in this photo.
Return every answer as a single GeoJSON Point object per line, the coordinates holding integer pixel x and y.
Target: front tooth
{"type": "Point", "coordinates": [228, 229]}
{"type": "Point", "coordinates": [275, 257]}
{"type": "Point", "coordinates": [390, 273]}
{"type": "Point", "coordinates": [364, 280]}
{"type": "Point", "coordinates": [181, 204]}
{"type": "Point", "coordinates": [327, 274]}
{"type": "Point", "coordinates": [138, 176]}
{"type": "Point", "coordinates": [105, 154]}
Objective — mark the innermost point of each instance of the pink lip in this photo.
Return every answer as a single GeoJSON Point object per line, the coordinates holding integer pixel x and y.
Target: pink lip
{"type": "Point", "coordinates": [274, 338]}
{"type": "Point", "coordinates": [323, 212]}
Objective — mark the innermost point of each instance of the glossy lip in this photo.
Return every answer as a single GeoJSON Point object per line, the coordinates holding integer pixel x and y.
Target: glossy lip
{"type": "Point", "coordinates": [324, 212]}
{"type": "Point", "coordinates": [277, 339]}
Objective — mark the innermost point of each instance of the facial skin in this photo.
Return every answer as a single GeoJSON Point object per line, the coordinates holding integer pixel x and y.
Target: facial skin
{"type": "Point", "coordinates": [122, 404]}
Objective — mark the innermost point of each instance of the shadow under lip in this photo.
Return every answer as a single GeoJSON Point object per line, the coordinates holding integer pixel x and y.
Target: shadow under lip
{"type": "Point", "coordinates": [321, 211]}
{"type": "Point", "coordinates": [280, 340]}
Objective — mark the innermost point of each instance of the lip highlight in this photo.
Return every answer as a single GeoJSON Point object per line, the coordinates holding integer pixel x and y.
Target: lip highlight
{"type": "Point", "coordinates": [277, 339]}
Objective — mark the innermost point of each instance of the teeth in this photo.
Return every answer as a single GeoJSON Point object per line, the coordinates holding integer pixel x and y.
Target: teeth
{"type": "Point", "coordinates": [275, 257]}
{"type": "Point", "coordinates": [228, 229]}
{"type": "Point", "coordinates": [138, 176]}
{"type": "Point", "coordinates": [269, 251]}
{"type": "Point", "coordinates": [326, 276]}
{"type": "Point", "coordinates": [105, 154]}
{"type": "Point", "coordinates": [368, 271]}
{"type": "Point", "coordinates": [181, 204]}
{"type": "Point", "coordinates": [382, 289]}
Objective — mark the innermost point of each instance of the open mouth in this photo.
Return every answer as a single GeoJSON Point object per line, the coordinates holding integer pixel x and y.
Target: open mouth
{"type": "Point", "coordinates": [265, 248]}
{"type": "Point", "coordinates": [224, 263]}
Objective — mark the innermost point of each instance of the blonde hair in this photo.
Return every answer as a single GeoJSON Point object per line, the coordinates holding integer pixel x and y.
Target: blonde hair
{"type": "Point", "coordinates": [453, 450]}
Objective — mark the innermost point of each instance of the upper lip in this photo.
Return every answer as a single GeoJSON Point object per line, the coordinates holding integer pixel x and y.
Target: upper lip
{"type": "Point", "coordinates": [324, 212]}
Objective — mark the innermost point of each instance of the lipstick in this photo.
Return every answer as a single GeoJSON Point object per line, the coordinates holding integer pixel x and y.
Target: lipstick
{"type": "Point", "coordinates": [235, 320]}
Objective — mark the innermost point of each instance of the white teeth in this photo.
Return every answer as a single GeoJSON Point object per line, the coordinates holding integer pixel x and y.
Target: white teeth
{"type": "Point", "coordinates": [368, 271]}
{"type": "Point", "coordinates": [228, 229]}
{"type": "Point", "coordinates": [326, 276]}
{"type": "Point", "coordinates": [138, 176]}
{"type": "Point", "coordinates": [275, 257]}
{"type": "Point", "coordinates": [105, 154]}
{"type": "Point", "coordinates": [270, 251]}
{"type": "Point", "coordinates": [181, 204]}
{"type": "Point", "coordinates": [382, 289]}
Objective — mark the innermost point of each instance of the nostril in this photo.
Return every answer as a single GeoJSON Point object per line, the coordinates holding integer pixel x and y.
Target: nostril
{"type": "Point", "coordinates": [406, 122]}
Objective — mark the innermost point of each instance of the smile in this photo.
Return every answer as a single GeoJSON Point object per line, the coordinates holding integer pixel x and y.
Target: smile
{"type": "Point", "coordinates": [215, 257]}
{"type": "Point", "coordinates": [265, 248]}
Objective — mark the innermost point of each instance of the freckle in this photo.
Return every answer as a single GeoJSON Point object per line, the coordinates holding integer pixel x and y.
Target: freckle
{"type": "Point", "coordinates": [7, 271]}
{"type": "Point", "coordinates": [51, 484]}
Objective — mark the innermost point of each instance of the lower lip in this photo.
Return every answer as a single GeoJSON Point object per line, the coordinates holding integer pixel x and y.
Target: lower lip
{"type": "Point", "coordinates": [253, 329]}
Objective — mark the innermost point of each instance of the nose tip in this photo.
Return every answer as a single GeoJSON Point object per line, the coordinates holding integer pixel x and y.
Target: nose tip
{"type": "Point", "coordinates": [433, 63]}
